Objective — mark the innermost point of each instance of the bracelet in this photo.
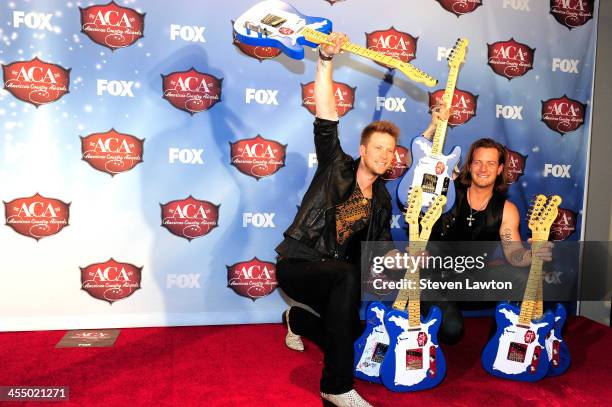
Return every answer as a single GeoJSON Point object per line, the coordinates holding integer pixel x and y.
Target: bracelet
{"type": "Point", "coordinates": [324, 57]}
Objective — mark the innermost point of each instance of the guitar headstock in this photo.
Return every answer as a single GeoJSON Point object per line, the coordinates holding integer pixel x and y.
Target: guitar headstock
{"type": "Point", "coordinates": [431, 216]}
{"type": "Point", "coordinates": [457, 54]}
{"type": "Point", "coordinates": [416, 74]}
{"type": "Point", "coordinates": [413, 206]}
{"type": "Point", "coordinates": [543, 213]}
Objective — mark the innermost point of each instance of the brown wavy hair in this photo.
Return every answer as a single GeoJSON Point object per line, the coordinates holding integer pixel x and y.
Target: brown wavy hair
{"type": "Point", "coordinates": [381, 126]}
{"type": "Point", "coordinates": [501, 182]}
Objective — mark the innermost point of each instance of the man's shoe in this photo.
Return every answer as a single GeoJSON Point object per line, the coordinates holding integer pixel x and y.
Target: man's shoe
{"type": "Point", "coordinates": [348, 399]}
{"type": "Point", "coordinates": [292, 340]}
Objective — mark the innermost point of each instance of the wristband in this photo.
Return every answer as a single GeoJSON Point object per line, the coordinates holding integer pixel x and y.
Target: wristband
{"type": "Point", "coordinates": [324, 57]}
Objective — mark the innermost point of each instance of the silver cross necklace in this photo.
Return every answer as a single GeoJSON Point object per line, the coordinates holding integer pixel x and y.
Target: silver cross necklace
{"type": "Point", "coordinates": [471, 218]}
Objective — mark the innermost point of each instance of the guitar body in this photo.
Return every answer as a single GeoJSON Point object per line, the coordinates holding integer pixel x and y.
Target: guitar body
{"type": "Point", "coordinates": [432, 173]}
{"type": "Point", "coordinates": [556, 348]}
{"type": "Point", "coordinates": [517, 352]}
{"type": "Point", "coordinates": [274, 23]}
{"type": "Point", "coordinates": [372, 345]}
{"type": "Point", "coordinates": [414, 359]}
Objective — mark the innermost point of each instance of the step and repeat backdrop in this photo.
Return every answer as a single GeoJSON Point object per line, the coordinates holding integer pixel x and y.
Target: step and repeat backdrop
{"type": "Point", "coordinates": [150, 162]}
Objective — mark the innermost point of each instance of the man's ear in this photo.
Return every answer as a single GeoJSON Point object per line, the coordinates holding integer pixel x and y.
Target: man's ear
{"type": "Point", "coordinates": [500, 169]}
{"type": "Point", "coordinates": [362, 150]}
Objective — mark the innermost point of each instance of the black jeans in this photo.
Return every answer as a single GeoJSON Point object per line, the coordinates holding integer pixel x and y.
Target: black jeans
{"type": "Point", "coordinates": [332, 289]}
{"type": "Point", "coordinates": [451, 328]}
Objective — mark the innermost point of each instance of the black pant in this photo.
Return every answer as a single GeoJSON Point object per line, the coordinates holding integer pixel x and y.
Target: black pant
{"type": "Point", "coordinates": [451, 328]}
{"type": "Point", "coordinates": [332, 289]}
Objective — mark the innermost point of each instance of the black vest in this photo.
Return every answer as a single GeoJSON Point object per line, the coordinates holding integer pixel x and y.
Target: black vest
{"type": "Point", "coordinates": [454, 225]}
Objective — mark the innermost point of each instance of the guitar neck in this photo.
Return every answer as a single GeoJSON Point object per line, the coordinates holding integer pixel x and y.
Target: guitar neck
{"type": "Point", "coordinates": [412, 294]}
{"type": "Point", "coordinates": [414, 301]}
{"type": "Point", "coordinates": [538, 309]}
{"type": "Point", "coordinates": [533, 294]}
{"type": "Point", "coordinates": [411, 71]}
{"type": "Point", "coordinates": [447, 99]}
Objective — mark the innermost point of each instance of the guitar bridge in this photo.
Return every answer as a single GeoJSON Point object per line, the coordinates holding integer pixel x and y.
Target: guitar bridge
{"type": "Point", "coordinates": [257, 28]}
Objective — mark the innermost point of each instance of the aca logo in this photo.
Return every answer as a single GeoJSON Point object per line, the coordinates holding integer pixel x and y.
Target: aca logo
{"type": "Point", "coordinates": [252, 279]}
{"type": "Point", "coordinates": [460, 7]}
{"type": "Point", "coordinates": [564, 225]}
{"type": "Point", "coordinates": [464, 105]}
{"type": "Point", "coordinates": [112, 26]}
{"type": "Point", "coordinates": [258, 157]}
{"type": "Point", "coordinates": [402, 159]}
{"type": "Point", "coordinates": [112, 152]}
{"type": "Point", "coordinates": [572, 13]}
{"type": "Point", "coordinates": [510, 59]}
{"type": "Point", "coordinates": [393, 43]}
{"type": "Point", "coordinates": [35, 81]}
{"type": "Point", "coordinates": [110, 281]}
{"type": "Point", "coordinates": [563, 114]}
{"type": "Point", "coordinates": [191, 91]}
{"type": "Point", "coordinates": [345, 97]}
{"type": "Point", "coordinates": [36, 216]}
{"type": "Point", "coordinates": [255, 51]}
{"type": "Point", "coordinates": [515, 165]}
{"type": "Point", "coordinates": [189, 218]}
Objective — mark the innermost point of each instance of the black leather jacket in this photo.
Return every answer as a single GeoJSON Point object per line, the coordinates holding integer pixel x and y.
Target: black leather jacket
{"type": "Point", "coordinates": [333, 182]}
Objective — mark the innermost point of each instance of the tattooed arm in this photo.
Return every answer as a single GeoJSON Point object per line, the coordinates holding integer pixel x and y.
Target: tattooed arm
{"type": "Point", "coordinates": [513, 248]}
{"type": "Point", "coordinates": [515, 253]}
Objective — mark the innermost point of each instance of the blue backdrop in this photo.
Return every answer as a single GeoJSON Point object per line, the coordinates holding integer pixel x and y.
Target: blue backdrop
{"type": "Point", "coordinates": [185, 281]}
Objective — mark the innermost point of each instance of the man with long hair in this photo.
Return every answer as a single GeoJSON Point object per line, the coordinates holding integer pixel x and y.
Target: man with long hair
{"type": "Point", "coordinates": [482, 213]}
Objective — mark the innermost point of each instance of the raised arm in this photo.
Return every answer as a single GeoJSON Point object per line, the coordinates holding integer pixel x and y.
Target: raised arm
{"type": "Point", "coordinates": [325, 101]}
{"type": "Point", "coordinates": [438, 112]}
{"type": "Point", "coordinates": [327, 143]}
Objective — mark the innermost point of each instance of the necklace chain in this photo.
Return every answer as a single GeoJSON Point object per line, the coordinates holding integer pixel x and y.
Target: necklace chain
{"type": "Point", "coordinates": [471, 218]}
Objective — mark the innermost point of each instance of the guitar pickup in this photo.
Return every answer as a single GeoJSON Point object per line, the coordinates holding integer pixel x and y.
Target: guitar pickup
{"type": "Point", "coordinates": [273, 21]}
{"type": "Point", "coordinates": [429, 183]}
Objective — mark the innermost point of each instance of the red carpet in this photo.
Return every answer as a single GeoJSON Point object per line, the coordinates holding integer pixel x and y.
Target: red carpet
{"type": "Point", "coordinates": [248, 365]}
